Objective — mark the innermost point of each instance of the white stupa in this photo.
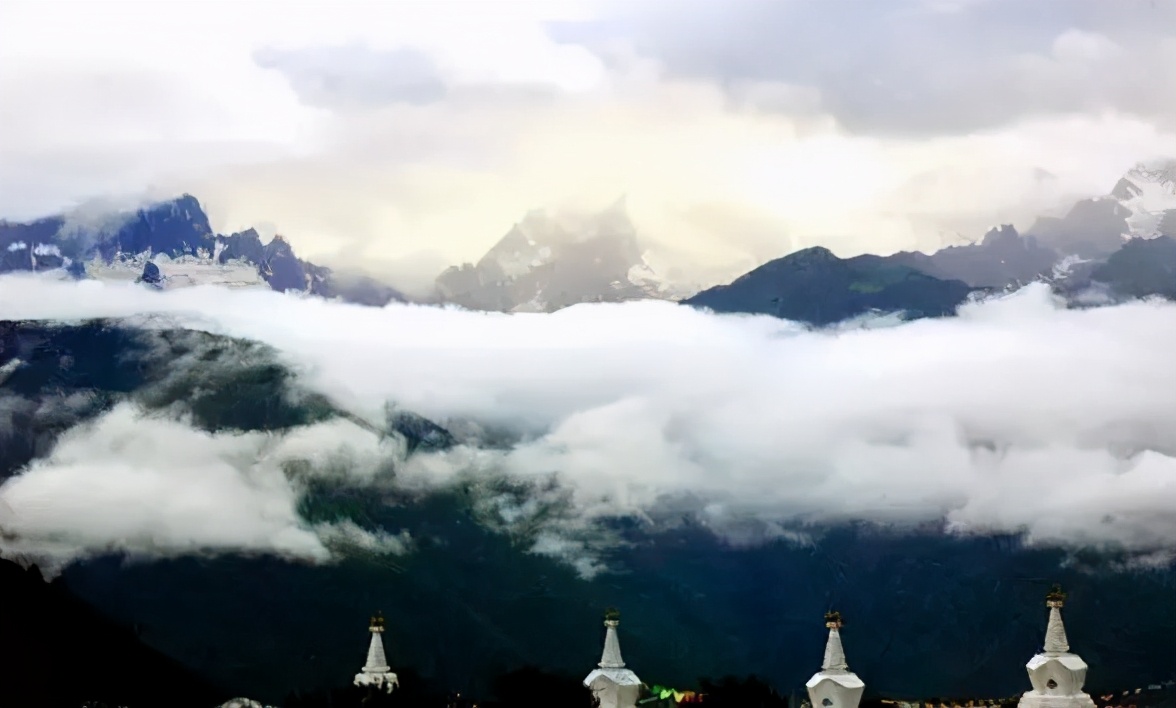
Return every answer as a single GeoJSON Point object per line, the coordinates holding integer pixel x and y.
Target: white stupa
{"type": "Point", "coordinates": [612, 684]}
{"type": "Point", "coordinates": [376, 672]}
{"type": "Point", "coordinates": [1057, 675]}
{"type": "Point", "coordinates": [835, 686]}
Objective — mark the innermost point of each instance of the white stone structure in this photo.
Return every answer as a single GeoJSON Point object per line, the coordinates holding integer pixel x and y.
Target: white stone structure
{"type": "Point", "coordinates": [1057, 675]}
{"type": "Point", "coordinates": [835, 686]}
{"type": "Point", "coordinates": [612, 684]}
{"type": "Point", "coordinates": [376, 672]}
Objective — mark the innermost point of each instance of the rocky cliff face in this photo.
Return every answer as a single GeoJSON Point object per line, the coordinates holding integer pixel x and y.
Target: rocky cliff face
{"type": "Point", "coordinates": [1142, 204]}
{"type": "Point", "coordinates": [544, 263]}
{"type": "Point", "coordinates": [1001, 259]}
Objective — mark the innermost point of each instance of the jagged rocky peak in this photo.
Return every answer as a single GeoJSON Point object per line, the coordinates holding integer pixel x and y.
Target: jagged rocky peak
{"type": "Point", "coordinates": [525, 246]}
{"type": "Point", "coordinates": [184, 209]}
{"type": "Point", "coordinates": [1005, 242]}
{"type": "Point", "coordinates": [1001, 258]}
{"type": "Point", "coordinates": [1002, 234]}
{"type": "Point", "coordinates": [1147, 193]}
{"type": "Point", "coordinates": [1093, 228]}
{"type": "Point", "coordinates": [1125, 189]}
{"type": "Point", "coordinates": [244, 245]}
{"type": "Point", "coordinates": [171, 244]}
{"type": "Point", "coordinates": [543, 235]}
{"type": "Point", "coordinates": [1148, 185]}
{"type": "Point", "coordinates": [1142, 204]}
{"type": "Point", "coordinates": [614, 221]}
{"type": "Point", "coordinates": [552, 259]}
{"type": "Point", "coordinates": [151, 274]}
{"type": "Point", "coordinates": [1161, 172]}
{"type": "Point", "coordinates": [279, 246]}
{"type": "Point", "coordinates": [176, 227]}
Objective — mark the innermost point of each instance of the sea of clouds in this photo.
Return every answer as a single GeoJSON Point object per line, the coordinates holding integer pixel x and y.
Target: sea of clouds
{"type": "Point", "coordinates": [1018, 415]}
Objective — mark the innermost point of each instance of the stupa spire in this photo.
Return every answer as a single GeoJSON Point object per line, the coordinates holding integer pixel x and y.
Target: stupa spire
{"type": "Point", "coordinates": [610, 658]}
{"type": "Point", "coordinates": [834, 652]}
{"type": "Point", "coordinates": [613, 685]}
{"type": "Point", "coordinates": [376, 671]}
{"type": "Point", "coordinates": [1055, 631]}
{"type": "Point", "coordinates": [835, 686]}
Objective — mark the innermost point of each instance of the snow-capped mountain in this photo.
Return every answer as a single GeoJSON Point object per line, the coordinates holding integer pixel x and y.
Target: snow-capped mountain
{"type": "Point", "coordinates": [1142, 204]}
{"type": "Point", "coordinates": [169, 245]}
{"type": "Point", "coordinates": [1105, 249]}
{"type": "Point", "coordinates": [546, 262]}
{"type": "Point", "coordinates": [1149, 192]}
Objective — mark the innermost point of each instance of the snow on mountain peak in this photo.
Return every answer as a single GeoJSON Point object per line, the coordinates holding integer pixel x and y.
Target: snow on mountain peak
{"type": "Point", "coordinates": [1160, 171]}
{"type": "Point", "coordinates": [1148, 191]}
{"type": "Point", "coordinates": [552, 259]}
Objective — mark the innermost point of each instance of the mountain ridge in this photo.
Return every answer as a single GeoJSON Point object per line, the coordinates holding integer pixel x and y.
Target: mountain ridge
{"type": "Point", "coordinates": [548, 261]}
{"type": "Point", "coordinates": [171, 244]}
{"type": "Point", "coordinates": [815, 286]}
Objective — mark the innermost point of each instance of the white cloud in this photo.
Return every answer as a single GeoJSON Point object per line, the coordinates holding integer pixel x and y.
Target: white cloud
{"type": "Point", "coordinates": [349, 537]}
{"type": "Point", "coordinates": [1079, 46]}
{"type": "Point", "coordinates": [137, 483]}
{"type": "Point", "coordinates": [1017, 415]}
{"type": "Point", "coordinates": [338, 447]}
{"type": "Point", "coordinates": [150, 486]}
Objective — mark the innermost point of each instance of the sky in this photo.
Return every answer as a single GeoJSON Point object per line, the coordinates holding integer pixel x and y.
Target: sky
{"type": "Point", "coordinates": [1017, 416]}
{"type": "Point", "coordinates": [412, 132]}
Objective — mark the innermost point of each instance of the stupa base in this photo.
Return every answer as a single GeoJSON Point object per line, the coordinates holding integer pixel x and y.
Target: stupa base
{"type": "Point", "coordinates": [1032, 699]}
{"type": "Point", "coordinates": [385, 682]}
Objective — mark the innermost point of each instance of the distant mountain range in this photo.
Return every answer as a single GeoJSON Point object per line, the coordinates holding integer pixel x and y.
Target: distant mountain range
{"type": "Point", "coordinates": [1112, 247]}
{"type": "Point", "coordinates": [1118, 245]}
{"type": "Point", "coordinates": [170, 244]}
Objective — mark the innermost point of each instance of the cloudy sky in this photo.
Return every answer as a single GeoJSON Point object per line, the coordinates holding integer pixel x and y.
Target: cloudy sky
{"type": "Point", "coordinates": [739, 130]}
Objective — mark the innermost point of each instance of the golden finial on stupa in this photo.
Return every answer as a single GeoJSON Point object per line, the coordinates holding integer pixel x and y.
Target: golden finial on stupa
{"type": "Point", "coordinates": [1055, 597]}
{"type": "Point", "coordinates": [833, 620]}
{"type": "Point", "coordinates": [377, 622]}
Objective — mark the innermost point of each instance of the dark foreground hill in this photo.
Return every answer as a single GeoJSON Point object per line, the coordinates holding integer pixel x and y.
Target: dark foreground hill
{"type": "Point", "coordinates": [817, 287]}
{"type": "Point", "coordinates": [59, 652]}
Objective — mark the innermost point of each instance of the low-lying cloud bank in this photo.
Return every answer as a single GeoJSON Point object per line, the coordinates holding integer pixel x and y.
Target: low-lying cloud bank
{"type": "Point", "coordinates": [1016, 416]}
{"type": "Point", "coordinates": [151, 486]}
